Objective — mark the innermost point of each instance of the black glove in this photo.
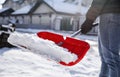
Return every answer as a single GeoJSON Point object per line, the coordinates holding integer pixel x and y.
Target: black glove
{"type": "Point", "coordinates": [87, 26]}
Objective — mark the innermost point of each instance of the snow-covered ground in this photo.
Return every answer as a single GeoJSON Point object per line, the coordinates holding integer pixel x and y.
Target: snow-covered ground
{"type": "Point", "coordinates": [16, 63]}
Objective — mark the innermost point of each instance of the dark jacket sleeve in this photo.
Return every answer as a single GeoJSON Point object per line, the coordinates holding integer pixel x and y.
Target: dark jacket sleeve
{"type": "Point", "coordinates": [95, 9]}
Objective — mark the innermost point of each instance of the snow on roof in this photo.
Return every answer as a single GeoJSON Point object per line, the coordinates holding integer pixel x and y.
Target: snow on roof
{"type": "Point", "coordinates": [60, 6]}
{"type": "Point", "coordinates": [83, 10]}
{"type": "Point", "coordinates": [57, 5]}
{"type": "Point", "coordinates": [2, 1]}
{"type": "Point", "coordinates": [4, 9]}
{"type": "Point", "coordinates": [24, 10]}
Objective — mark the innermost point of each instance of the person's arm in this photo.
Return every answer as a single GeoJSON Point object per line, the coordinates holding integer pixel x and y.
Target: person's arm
{"type": "Point", "coordinates": [94, 11]}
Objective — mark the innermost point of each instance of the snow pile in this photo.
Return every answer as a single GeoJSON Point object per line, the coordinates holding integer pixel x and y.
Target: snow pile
{"type": "Point", "coordinates": [40, 46]}
{"type": "Point", "coordinates": [16, 63]}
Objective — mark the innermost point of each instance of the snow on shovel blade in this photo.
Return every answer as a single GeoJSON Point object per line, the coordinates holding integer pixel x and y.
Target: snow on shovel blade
{"type": "Point", "coordinates": [75, 46]}
{"type": "Point", "coordinates": [46, 48]}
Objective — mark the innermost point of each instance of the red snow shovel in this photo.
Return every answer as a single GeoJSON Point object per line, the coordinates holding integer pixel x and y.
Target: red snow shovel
{"type": "Point", "coordinates": [78, 47]}
{"type": "Point", "coordinates": [75, 46]}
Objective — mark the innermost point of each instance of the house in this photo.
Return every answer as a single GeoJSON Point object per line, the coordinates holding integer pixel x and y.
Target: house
{"type": "Point", "coordinates": [44, 14]}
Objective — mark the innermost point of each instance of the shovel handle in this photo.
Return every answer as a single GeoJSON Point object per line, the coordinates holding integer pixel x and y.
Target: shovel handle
{"type": "Point", "coordinates": [79, 31]}
{"type": "Point", "coordinates": [76, 33]}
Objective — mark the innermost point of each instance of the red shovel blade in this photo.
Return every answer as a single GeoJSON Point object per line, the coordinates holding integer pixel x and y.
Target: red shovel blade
{"type": "Point", "coordinates": [75, 46]}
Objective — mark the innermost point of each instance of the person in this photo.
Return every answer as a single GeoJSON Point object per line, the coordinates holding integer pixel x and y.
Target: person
{"type": "Point", "coordinates": [5, 31]}
{"type": "Point", "coordinates": [108, 34]}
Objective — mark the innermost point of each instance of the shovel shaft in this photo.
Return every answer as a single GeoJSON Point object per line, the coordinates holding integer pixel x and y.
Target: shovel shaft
{"type": "Point", "coordinates": [76, 33]}
{"type": "Point", "coordinates": [79, 31]}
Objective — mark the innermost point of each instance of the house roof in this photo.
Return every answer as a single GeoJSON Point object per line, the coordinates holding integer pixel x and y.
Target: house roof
{"type": "Point", "coordinates": [2, 1]}
{"type": "Point", "coordinates": [24, 10]}
{"type": "Point", "coordinates": [61, 7]}
{"type": "Point", "coordinates": [58, 7]}
{"type": "Point", "coordinates": [28, 9]}
{"type": "Point", "coordinates": [6, 11]}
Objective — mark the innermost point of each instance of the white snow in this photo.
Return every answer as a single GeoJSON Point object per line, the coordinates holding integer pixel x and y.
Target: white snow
{"type": "Point", "coordinates": [83, 10]}
{"type": "Point", "coordinates": [63, 7]}
{"type": "Point", "coordinates": [66, 7]}
{"type": "Point", "coordinates": [43, 47]}
{"type": "Point", "coordinates": [2, 1]}
{"type": "Point", "coordinates": [16, 63]}
{"type": "Point", "coordinates": [0, 6]}
{"type": "Point", "coordinates": [4, 9]}
{"type": "Point", "coordinates": [25, 9]}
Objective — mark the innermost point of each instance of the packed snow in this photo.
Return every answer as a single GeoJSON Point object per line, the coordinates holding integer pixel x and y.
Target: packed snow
{"type": "Point", "coordinates": [14, 62]}
{"type": "Point", "coordinates": [46, 48]}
